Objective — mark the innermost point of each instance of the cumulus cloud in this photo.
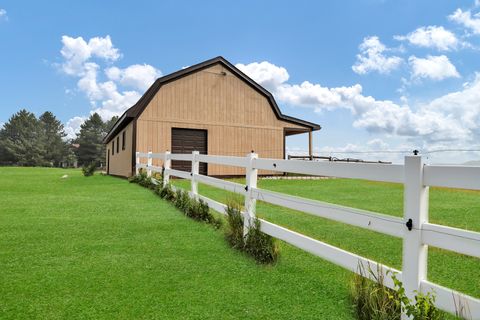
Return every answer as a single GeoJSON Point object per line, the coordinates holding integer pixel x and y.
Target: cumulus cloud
{"type": "Point", "coordinates": [432, 67]}
{"type": "Point", "coordinates": [109, 97]}
{"type": "Point", "coordinates": [453, 117]}
{"type": "Point", "coordinates": [372, 57]}
{"type": "Point", "coordinates": [466, 19]}
{"type": "Point", "coordinates": [432, 37]}
{"type": "Point", "coordinates": [72, 127]}
{"type": "Point", "coordinates": [76, 51]}
{"type": "Point", "coordinates": [139, 76]}
{"type": "Point", "coordinates": [266, 73]}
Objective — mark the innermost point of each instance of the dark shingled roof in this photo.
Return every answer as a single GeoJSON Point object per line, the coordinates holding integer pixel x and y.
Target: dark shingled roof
{"type": "Point", "coordinates": [137, 109]}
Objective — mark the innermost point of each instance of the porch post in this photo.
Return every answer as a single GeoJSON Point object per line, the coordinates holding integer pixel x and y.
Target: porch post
{"type": "Point", "coordinates": [310, 145]}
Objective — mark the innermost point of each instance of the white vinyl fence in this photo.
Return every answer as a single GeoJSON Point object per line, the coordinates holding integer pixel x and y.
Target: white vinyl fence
{"type": "Point", "coordinates": [415, 230]}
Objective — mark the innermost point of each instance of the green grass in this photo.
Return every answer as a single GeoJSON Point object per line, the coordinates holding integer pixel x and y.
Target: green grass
{"type": "Point", "coordinates": [101, 248]}
{"type": "Point", "coordinates": [457, 208]}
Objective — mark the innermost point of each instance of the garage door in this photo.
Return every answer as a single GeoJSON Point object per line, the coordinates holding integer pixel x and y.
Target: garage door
{"type": "Point", "coordinates": [187, 141]}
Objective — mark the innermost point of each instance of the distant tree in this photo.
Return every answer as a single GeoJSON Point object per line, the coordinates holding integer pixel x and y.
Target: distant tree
{"type": "Point", "coordinates": [56, 147]}
{"type": "Point", "coordinates": [91, 148]}
{"type": "Point", "coordinates": [109, 124]}
{"type": "Point", "coordinates": [22, 140]}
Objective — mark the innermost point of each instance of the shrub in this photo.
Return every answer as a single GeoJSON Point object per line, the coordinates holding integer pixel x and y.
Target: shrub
{"type": "Point", "coordinates": [234, 230]}
{"type": "Point", "coordinates": [143, 180]}
{"type": "Point", "coordinates": [165, 192]}
{"type": "Point", "coordinates": [89, 169]}
{"type": "Point", "coordinates": [137, 178]}
{"type": "Point", "coordinates": [182, 200]}
{"type": "Point", "coordinates": [199, 210]}
{"type": "Point", "coordinates": [424, 306]}
{"type": "Point", "coordinates": [373, 300]}
{"type": "Point", "coordinates": [262, 247]}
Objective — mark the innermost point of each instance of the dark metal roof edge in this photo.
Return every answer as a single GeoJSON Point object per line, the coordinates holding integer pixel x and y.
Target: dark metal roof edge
{"type": "Point", "coordinates": [136, 110]}
{"type": "Point", "coordinates": [117, 127]}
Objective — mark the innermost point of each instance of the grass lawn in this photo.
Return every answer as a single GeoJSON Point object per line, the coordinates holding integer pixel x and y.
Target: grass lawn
{"type": "Point", "coordinates": [451, 207]}
{"type": "Point", "coordinates": [100, 247]}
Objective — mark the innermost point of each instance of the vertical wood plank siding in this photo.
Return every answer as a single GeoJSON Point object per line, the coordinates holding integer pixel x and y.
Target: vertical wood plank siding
{"type": "Point", "coordinates": [238, 118]}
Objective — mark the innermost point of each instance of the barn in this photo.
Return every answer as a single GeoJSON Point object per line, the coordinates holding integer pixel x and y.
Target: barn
{"type": "Point", "coordinates": [211, 107]}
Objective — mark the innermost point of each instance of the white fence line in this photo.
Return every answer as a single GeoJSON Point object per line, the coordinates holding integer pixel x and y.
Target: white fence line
{"type": "Point", "coordinates": [415, 230]}
{"type": "Point", "coordinates": [360, 218]}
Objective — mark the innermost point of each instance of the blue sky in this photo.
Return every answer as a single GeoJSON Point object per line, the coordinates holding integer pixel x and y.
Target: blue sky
{"type": "Point", "coordinates": [377, 75]}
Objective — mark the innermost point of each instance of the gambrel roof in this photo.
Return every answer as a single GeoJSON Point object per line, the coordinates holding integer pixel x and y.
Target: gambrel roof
{"type": "Point", "coordinates": [136, 110]}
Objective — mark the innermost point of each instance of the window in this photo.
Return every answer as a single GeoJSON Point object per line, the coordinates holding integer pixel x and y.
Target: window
{"type": "Point", "coordinates": [113, 147]}
{"type": "Point", "coordinates": [118, 143]}
{"type": "Point", "coordinates": [123, 140]}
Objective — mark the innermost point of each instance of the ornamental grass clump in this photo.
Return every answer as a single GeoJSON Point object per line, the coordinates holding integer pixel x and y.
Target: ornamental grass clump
{"type": "Point", "coordinates": [262, 247]}
{"type": "Point", "coordinates": [200, 211]}
{"type": "Point", "coordinates": [234, 230]}
{"type": "Point", "coordinates": [371, 299]}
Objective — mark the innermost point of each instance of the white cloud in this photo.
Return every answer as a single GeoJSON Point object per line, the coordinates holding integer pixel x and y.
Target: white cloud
{"type": "Point", "coordinates": [466, 19]}
{"type": "Point", "coordinates": [372, 58]}
{"type": "Point", "coordinates": [3, 15]}
{"type": "Point", "coordinates": [106, 97]}
{"type": "Point", "coordinates": [453, 117]}
{"type": "Point", "coordinates": [432, 67]}
{"type": "Point", "coordinates": [432, 37]}
{"type": "Point", "coordinates": [72, 128]}
{"type": "Point", "coordinates": [76, 51]}
{"type": "Point", "coordinates": [138, 76]}
{"type": "Point", "coordinates": [266, 73]}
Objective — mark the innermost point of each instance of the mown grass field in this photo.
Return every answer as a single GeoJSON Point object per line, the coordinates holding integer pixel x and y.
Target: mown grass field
{"type": "Point", "coordinates": [451, 207]}
{"type": "Point", "coordinates": [102, 248]}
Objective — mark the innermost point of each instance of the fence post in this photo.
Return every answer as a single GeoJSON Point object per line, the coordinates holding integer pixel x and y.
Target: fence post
{"type": "Point", "coordinates": [415, 253]}
{"type": "Point", "coordinates": [250, 202]}
{"type": "Point", "coordinates": [195, 167]}
{"type": "Point", "coordinates": [137, 162]}
{"type": "Point", "coordinates": [166, 165]}
{"type": "Point", "coordinates": [149, 164]}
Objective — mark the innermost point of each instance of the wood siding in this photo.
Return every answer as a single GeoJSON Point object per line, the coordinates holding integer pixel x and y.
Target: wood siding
{"type": "Point", "coordinates": [237, 117]}
{"type": "Point", "coordinates": [120, 163]}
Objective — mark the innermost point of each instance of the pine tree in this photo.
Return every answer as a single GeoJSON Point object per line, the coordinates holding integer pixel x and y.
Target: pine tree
{"type": "Point", "coordinates": [22, 140]}
{"type": "Point", "coordinates": [56, 148]}
{"type": "Point", "coordinates": [91, 148]}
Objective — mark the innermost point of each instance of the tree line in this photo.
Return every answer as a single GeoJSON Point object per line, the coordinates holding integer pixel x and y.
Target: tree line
{"type": "Point", "coordinates": [26, 140]}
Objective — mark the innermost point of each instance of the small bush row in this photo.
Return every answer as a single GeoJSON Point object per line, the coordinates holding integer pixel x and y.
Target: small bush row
{"type": "Point", "coordinates": [143, 180]}
{"type": "Point", "coordinates": [192, 208]}
{"type": "Point", "coordinates": [262, 247]}
{"type": "Point", "coordinates": [371, 299]}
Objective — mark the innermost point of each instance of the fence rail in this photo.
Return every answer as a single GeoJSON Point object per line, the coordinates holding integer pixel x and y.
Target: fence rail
{"type": "Point", "coordinates": [415, 230]}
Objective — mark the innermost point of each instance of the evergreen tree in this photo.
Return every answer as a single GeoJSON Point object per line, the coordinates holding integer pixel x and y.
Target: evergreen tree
{"type": "Point", "coordinates": [109, 124]}
{"type": "Point", "coordinates": [22, 140]}
{"type": "Point", "coordinates": [56, 148]}
{"type": "Point", "coordinates": [91, 148]}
